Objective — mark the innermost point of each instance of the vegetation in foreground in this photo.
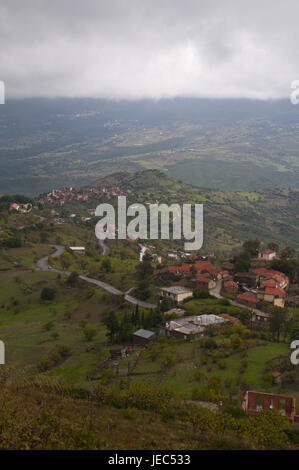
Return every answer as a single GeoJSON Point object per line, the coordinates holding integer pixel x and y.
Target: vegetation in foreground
{"type": "Point", "coordinates": [44, 415]}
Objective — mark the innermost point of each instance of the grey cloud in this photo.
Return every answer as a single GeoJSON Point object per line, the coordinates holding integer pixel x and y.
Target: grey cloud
{"type": "Point", "coordinates": [148, 48]}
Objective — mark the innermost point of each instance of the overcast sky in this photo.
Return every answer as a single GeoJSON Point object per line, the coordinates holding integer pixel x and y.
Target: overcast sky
{"type": "Point", "coordinates": [149, 48]}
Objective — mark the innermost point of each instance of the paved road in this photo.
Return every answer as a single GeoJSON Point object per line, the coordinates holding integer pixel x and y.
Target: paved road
{"type": "Point", "coordinates": [139, 302]}
{"type": "Point", "coordinates": [103, 285]}
{"type": "Point", "coordinates": [43, 264]}
{"type": "Point", "coordinates": [104, 247]}
{"type": "Point", "coordinates": [216, 293]}
{"type": "Point", "coordinates": [142, 252]}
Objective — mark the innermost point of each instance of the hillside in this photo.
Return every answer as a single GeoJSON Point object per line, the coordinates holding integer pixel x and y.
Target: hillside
{"type": "Point", "coordinates": [63, 336]}
{"type": "Point", "coordinates": [230, 217]}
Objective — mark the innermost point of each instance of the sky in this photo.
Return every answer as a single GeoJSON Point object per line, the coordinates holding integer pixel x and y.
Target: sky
{"type": "Point", "coordinates": [136, 49]}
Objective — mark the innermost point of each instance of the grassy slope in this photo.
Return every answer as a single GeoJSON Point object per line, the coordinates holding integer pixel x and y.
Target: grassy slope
{"type": "Point", "coordinates": [229, 217]}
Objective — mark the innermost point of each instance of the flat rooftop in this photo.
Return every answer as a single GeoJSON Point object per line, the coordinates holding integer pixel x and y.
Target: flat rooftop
{"type": "Point", "coordinates": [177, 290]}
{"type": "Point", "coordinates": [143, 333]}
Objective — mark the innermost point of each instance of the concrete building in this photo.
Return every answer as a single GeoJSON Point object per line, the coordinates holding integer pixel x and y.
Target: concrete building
{"type": "Point", "coordinates": [187, 327]}
{"type": "Point", "coordinates": [267, 255]}
{"type": "Point", "coordinates": [230, 286]}
{"type": "Point", "coordinates": [248, 298]}
{"type": "Point", "coordinates": [142, 337]}
{"type": "Point", "coordinates": [80, 250]}
{"type": "Point", "coordinates": [176, 293]}
{"type": "Point", "coordinates": [274, 295]}
{"type": "Point", "coordinates": [205, 283]}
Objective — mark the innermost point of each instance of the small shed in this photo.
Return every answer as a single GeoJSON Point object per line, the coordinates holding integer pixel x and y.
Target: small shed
{"type": "Point", "coordinates": [142, 336]}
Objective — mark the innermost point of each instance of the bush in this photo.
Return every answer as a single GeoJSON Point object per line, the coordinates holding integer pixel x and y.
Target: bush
{"type": "Point", "coordinates": [89, 332]}
{"type": "Point", "coordinates": [50, 361]}
{"type": "Point", "coordinates": [107, 376]}
{"type": "Point", "coordinates": [200, 294]}
{"type": "Point", "coordinates": [198, 375]}
{"type": "Point", "coordinates": [130, 413]}
{"type": "Point", "coordinates": [48, 326]}
{"type": "Point", "coordinates": [208, 343]}
{"type": "Point", "coordinates": [48, 293]}
{"type": "Point", "coordinates": [292, 434]}
{"type": "Point", "coordinates": [141, 396]}
{"type": "Point", "coordinates": [54, 335]}
{"type": "Point", "coordinates": [73, 278]}
{"type": "Point", "coordinates": [236, 342]}
{"type": "Point", "coordinates": [235, 411]}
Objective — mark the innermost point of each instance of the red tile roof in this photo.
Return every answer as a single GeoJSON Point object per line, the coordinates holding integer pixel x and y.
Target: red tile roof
{"type": "Point", "coordinates": [267, 252]}
{"type": "Point", "coordinates": [249, 297]}
{"type": "Point", "coordinates": [179, 270]}
{"type": "Point", "coordinates": [277, 291]}
{"type": "Point", "coordinates": [231, 284]}
{"type": "Point", "coordinates": [229, 266]}
{"type": "Point", "coordinates": [206, 266]}
{"type": "Point", "coordinates": [203, 279]}
{"type": "Point", "coordinates": [229, 317]}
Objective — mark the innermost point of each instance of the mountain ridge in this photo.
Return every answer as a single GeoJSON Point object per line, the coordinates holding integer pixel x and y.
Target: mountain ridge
{"type": "Point", "coordinates": [230, 217]}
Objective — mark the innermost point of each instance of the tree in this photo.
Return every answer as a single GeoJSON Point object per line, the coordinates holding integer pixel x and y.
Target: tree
{"type": "Point", "coordinates": [273, 246]}
{"type": "Point", "coordinates": [143, 290]}
{"type": "Point", "coordinates": [242, 262]}
{"type": "Point", "coordinates": [89, 332]}
{"type": "Point", "coordinates": [294, 332]}
{"type": "Point", "coordinates": [126, 328]}
{"type": "Point", "coordinates": [144, 270]}
{"type": "Point", "coordinates": [288, 253]}
{"type": "Point", "coordinates": [236, 342]}
{"type": "Point", "coordinates": [83, 262]}
{"type": "Point", "coordinates": [208, 343]}
{"type": "Point", "coordinates": [48, 293]}
{"type": "Point", "coordinates": [106, 265]}
{"type": "Point", "coordinates": [147, 256]}
{"type": "Point", "coordinates": [66, 260]}
{"type": "Point", "coordinates": [290, 267]}
{"type": "Point", "coordinates": [73, 278]}
{"type": "Point", "coordinates": [200, 293]}
{"type": "Point", "coordinates": [277, 322]}
{"type": "Point", "coordinates": [252, 246]}
{"type": "Point", "coordinates": [111, 322]}
{"type": "Point", "coordinates": [12, 242]}
{"type": "Point", "coordinates": [166, 304]}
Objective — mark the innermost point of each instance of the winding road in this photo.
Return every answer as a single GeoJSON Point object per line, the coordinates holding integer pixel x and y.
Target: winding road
{"type": "Point", "coordinates": [104, 247]}
{"type": "Point", "coordinates": [215, 292]}
{"type": "Point", "coordinates": [43, 265]}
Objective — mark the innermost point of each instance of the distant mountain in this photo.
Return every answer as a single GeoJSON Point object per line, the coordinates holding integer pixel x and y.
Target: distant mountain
{"type": "Point", "coordinates": [221, 144]}
{"type": "Point", "coordinates": [230, 217]}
